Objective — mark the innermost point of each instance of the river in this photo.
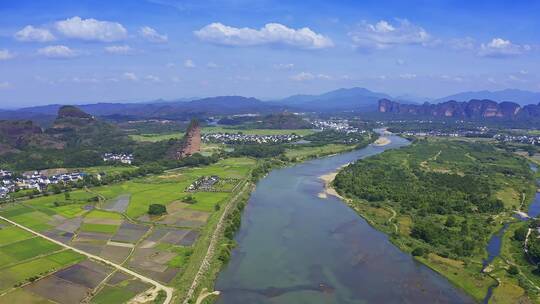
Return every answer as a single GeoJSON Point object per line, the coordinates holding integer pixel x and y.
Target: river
{"type": "Point", "coordinates": [294, 247]}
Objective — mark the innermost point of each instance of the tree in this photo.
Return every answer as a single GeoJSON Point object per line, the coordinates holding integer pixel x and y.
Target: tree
{"type": "Point", "coordinates": [451, 221]}
{"type": "Point", "coordinates": [520, 234]}
{"type": "Point", "coordinates": [418, 251]}
{"type": "Point", "coordinates": [67, 196]}
{"type": "Point", "coordinates": [513, 270]}
{"type": "Point", "coordinates": [157, 209]}
{"type": "Point", "coordinates": [190, 199]}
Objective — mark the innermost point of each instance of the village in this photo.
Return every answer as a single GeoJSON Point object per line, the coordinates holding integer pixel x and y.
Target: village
{"type": "Point", "coordinates": [239, 138]}
{"type": "Point", "coordinates": [336, 125]}
{"type": "Point", "coordinates": [123, 158]}
{"type": "Point", "coordinates": [36, 180]}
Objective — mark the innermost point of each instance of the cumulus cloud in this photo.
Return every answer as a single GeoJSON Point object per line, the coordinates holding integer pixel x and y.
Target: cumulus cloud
{"type": "Point", "coordinates": [383, 35]}
{"type": "Point", "coordinates": [6, 55]}
{"type": "Point", "coordinates": [57, 51]}
{"type": "Point", "coordinates": [188, 63]}
{"type": "Point", "coordinates": [304, 76]}
{"type": "Point", "coordinates": [499, 47]}
{"type": "Point", "coordinates": [152, 35]}
{"type": "Point", "coordinates": [270, 34]}
{"type": "Point", "coordinates": [30, 33]}
{"type": "Point", "coordinates": [91, 29]}
{"type": "Point", "coordinates": [130, 76]}
{"type": "Point", "coordinates": [118, 49]}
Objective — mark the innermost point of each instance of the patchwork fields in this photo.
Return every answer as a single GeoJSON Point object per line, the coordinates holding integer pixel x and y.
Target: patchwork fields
{"type": "Point", "coordinates": [111, 222]}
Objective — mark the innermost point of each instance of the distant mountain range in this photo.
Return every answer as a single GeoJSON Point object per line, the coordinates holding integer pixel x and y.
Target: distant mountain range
{"type": "Point", "coordinates": [473, 109]}
{"type": "Point", "coordinates": [518, 96]}
{"type": "Point", "coordinates": [338, 100]}
{"type": "Point", "coordinates": [352, 99]}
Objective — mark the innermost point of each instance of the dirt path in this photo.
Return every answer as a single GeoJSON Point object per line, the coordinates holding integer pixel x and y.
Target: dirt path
{"type": "Point", "coordinates": [205, 265]}
{"type": "Point", "coordinates": [168, 290]}
{"type": "Point", "coordinates": [205, 294]}
{"type": "Point", "coordinates": [394, 214]}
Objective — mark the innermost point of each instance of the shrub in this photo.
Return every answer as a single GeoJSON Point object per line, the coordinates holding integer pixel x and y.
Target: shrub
{"type": "Point", "coordinates": [513, 270]}
{"type": "Point", "coordinates": [157, 209]}
{"type": "Point", "coordinates": [418, 251]}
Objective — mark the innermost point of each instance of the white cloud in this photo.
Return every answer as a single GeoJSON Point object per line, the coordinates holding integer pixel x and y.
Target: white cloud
{"type": "Point", "coordinates": [304, 76]}
{"type": "Point", "coordinates": [170, 65]}
{"type": "Point", "coordinates": [499, 47]}
{"type": "Point", "coordinates": [407, 76]}
{"type": "Point", "coordinates": [5, 85]}
{"type": "Point", "coordinates": [152, 78]}
{"type": "Point", "coordinates": [6, 55]}
{"type": "Point", "coordinates": [188, 63]}
{"type": "Point", "coordinates": [212, 65]}
{"type": "Point", "coordinates": [57, 51]}
{"type": "Point", "coordinates": [130, 76]}
{"type": "Point", "coordinates": [118, 49]}
{"type": "Point", "coordinates": [400, 62]}
{"type": "Point", "coordinates": [383, 35]}
{"type": "Point", "coordinates": [152, 35]}
{"type": "Point", "coordinates": [30, 33]}
{"type": "Point", "coordinates": [91, 29]}
{"type": "Point", "coordinates": [283, 66]}
{"type": "Point", "coordinates": [270, 34]}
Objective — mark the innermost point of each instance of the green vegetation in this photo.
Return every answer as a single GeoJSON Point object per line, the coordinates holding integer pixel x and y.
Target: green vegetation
{"type": "Point", "coordinates": [447, 199]}
{"type": "Point", "coordinates": [157, 209]}
{"type": "Point", "coordinates": [101, 228]}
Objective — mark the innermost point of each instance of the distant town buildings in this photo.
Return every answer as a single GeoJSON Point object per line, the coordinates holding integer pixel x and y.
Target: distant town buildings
{"type": "Point", "coordinates": [121, 158]}
{"type": "Point", "coordinates": [336, 125]}
{"type": "Point", "coordinates": [239, 138]}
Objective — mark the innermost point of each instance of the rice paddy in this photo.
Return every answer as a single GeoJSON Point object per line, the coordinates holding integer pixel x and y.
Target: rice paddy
{"type": "Point", "coordinates": [117, 228]}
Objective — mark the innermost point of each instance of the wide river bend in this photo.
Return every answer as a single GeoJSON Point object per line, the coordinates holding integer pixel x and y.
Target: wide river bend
{"type": "Point", "coordinates": [294, 247]}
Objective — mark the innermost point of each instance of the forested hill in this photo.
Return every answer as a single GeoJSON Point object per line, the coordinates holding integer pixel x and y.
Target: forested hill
{"type": "Point", "coordinates": [448, 198]}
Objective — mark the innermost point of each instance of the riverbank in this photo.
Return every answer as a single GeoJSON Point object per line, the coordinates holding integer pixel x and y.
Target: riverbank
{"type": "Point", "coordinates": [328, 188]}
{"type": "Point", "coordinates": [287, 231]}
{"type": "Point", "coordinates": [434, 239]}
{"type": "Point", "coordinates": [382, 141]}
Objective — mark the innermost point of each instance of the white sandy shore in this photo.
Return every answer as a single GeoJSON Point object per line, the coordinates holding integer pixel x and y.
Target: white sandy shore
{"type": "Point", "coordinates": [382, 141]}
{"type": "Point", "coordinates": [328, 179]}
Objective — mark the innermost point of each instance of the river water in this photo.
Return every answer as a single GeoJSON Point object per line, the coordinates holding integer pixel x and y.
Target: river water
{"type": "Point", "coordinates": [294, 247]}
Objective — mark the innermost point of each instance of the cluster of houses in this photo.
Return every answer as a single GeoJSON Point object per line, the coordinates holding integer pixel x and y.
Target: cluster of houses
{"type": "Point", "coordinates": [524, 139]}
{"type": "Point", "coordinates": [239, 138]}
{"type": "Point", "coordinates": [205, 183]}
{"type": "Point", "coordinates": [121, 158]}
{"type": "Point", "coordinates": [34, 181]}
{"type": "Point", "coordinates": [458, 133]}
{"type": "Point", "coordinates": [6, 184]}
{"type": "Point", "coordinates": [336, 125]}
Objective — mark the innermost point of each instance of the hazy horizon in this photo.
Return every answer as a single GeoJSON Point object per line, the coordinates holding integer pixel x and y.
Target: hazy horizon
{"type": "Point", "coordinates": [65, 52]}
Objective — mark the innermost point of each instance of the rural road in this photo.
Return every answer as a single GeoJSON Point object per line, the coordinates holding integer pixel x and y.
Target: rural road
{"type": "Point", "coordinates": [168, 290]}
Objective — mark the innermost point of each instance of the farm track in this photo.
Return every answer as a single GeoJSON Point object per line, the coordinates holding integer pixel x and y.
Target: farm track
{"type": "Point", "coordinates": [167, 290]}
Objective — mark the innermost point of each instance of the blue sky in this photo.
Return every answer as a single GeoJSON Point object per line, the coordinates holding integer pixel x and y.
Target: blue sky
{"type": "Point", "coordinates": [99, 51]}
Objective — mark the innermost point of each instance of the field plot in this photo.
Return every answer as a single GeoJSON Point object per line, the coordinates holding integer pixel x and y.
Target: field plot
{"type": "Point", "coordinates": [120, 288]}
{"type": "Point", "coordinates": [111, 222]}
